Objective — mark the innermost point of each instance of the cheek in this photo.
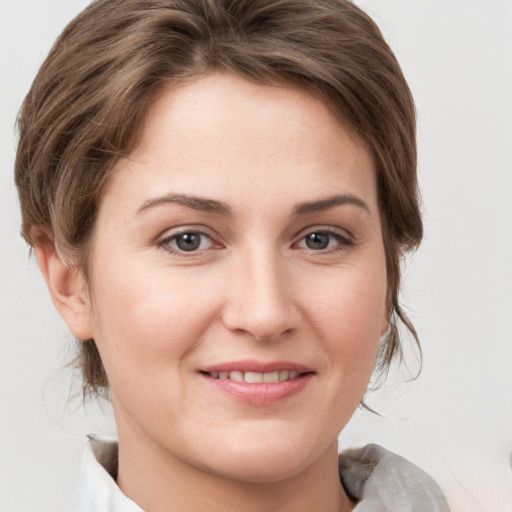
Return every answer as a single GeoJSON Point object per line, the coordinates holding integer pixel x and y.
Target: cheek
{"type": "Point", "coordinates": [147, 322]}
{"type": "Point", "coordinates": [351, 319]}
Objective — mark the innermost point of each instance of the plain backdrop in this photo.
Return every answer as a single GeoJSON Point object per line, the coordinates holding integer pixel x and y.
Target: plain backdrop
{"type": "Point", "coordinates": [455, 421]}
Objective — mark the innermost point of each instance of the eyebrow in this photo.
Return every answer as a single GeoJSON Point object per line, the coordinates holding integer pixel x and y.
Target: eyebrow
{"type": "Point", "coordinates": [330, 202]}
{"type": "Point", "coordinates": [220, 208]}
{"type": "Point", "coordinates": [196, 203]}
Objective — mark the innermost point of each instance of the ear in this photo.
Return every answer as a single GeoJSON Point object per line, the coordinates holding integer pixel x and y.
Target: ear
{"type": "Point", "coordinates": [66, 285]}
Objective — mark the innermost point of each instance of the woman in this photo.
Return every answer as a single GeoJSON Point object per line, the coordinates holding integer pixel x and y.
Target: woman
{"type": "Point", "coordinates": [219, 194]}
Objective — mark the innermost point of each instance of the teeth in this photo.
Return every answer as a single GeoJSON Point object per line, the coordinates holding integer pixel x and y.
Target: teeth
{"type": "Point", "coordinates": [271, 377]}
{"type": "Point", "coordinates": [238, 376]}
{"type": "Point", "coordinates": [252, 377]}
{"type": "Point", "coordinates": [256, 377]}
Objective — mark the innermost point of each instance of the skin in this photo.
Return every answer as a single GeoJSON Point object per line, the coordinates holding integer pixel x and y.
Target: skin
{"type": "Point", "coordinates": [252, 290]}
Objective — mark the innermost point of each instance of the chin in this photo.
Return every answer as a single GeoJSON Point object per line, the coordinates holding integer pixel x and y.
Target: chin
{"type": "Point", "coordinates": [262, 470]}
{"type": "Point", "coordinates": [267, 461]}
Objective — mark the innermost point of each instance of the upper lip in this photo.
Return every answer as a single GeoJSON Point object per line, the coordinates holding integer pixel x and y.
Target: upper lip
{"type": "Point", "coordinates": [257, 366]}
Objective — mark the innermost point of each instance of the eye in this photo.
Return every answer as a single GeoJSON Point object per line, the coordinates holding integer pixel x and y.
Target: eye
{"type": "Point", "coordinates": [187, 241]}
{"type": "Point", "coordinates": [324, 240]}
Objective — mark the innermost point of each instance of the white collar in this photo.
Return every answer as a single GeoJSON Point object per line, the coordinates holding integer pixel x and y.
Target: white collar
{"type": "Point", "coordinates": [97, 490]}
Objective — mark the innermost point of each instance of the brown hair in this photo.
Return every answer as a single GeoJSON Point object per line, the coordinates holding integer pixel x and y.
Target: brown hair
{"type": "Point", "coordinates": [87, 106]}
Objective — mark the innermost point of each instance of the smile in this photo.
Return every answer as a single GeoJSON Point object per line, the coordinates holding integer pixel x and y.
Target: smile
{"type": "Point", "coordinates": [258, 383]}
{"type": "Point", "coordinates": [256, 377]}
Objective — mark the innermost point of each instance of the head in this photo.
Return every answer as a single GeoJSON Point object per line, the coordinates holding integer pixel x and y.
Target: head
{"type": "Point", "coordinates": [88, 106]}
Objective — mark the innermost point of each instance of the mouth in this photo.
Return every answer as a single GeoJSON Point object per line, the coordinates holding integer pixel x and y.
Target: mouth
{"type": "Point", "coordinates": [255, 377]}
{"type": "Point", "coordinates": [259, 383]}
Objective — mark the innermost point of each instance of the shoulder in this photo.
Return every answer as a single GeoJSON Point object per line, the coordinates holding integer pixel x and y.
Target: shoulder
{"type": "Point", "coordinates": [375, 477]}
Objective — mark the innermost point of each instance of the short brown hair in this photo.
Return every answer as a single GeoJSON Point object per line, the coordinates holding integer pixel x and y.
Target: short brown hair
{"type": "Point", "coordinates": [88, 103]}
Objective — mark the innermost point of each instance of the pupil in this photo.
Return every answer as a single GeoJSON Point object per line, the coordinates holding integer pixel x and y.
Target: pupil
{"type": "Point", "coordinates": [317, 241]}
{"type": "Point", "coordinates": [188, 241]}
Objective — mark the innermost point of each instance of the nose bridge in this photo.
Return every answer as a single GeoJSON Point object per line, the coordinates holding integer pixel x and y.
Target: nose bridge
{"type": "Point", "coordinates": [262, 303]}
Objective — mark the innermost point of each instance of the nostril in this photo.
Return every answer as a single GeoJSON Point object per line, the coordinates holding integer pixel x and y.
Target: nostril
{"type": "Point", "coordinates": [271, 337]}
{"type": "Point", "coordinates": [261, 326]}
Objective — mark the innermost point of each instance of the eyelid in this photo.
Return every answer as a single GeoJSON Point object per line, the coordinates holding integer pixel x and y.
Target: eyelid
{"type": "Point", "coordinates": [325, 228]}
{"type": "Point", "coordinates": [179, 229]}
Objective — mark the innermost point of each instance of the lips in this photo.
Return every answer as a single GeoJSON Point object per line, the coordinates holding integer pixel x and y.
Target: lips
{"type": "Point", "coordinates": [258, 383]}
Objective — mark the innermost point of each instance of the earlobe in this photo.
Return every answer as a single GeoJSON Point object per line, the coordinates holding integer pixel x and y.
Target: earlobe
{"type": "Point", "coordinates": [66, 285]}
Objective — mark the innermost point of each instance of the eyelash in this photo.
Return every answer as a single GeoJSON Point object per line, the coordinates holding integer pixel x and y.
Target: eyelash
{"type": "Point", "coordinates": [343, 242]}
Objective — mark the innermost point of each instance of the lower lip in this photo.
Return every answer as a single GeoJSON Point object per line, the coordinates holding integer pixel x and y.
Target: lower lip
{"type": "Point", "coordinates": [262, 393]}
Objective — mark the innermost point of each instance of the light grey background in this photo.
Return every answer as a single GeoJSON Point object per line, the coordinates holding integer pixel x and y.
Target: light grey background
{"type": "Point", "coordinates": [456, 420]}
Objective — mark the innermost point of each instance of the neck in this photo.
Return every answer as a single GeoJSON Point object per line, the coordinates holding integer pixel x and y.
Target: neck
{"type": "Point", "coordinates": [159, 483]}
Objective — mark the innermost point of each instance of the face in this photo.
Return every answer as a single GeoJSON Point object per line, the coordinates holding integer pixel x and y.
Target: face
{"type": "Point", "coordinates": [238, 280]}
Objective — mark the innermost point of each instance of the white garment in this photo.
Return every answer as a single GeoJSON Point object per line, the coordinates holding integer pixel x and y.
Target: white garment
{"type": "Point", "coordinates": [378, 480]}
{"type": "Point", "coordinates": [97, 490]}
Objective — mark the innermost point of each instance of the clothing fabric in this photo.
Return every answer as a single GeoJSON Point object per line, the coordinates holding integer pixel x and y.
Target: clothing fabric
{"type": "Point", "coordinates": [381, 481]}
{"type": "Point", "coordinates": [378, 480]}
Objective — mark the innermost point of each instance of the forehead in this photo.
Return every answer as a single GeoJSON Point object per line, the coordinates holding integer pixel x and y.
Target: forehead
{"type": "Point", "coordinates": [222, 132]}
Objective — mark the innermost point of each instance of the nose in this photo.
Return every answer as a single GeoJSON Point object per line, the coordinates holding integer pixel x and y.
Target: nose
{"type": "Point", "coordinates": [261, 301]}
